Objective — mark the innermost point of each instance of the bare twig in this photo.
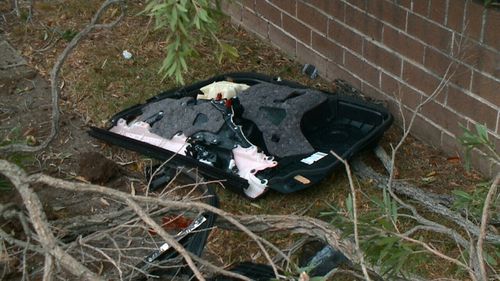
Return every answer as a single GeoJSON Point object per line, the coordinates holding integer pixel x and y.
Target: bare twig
{"type": "Point", "coordinates": [48, 268]}
{"type": "Point", "coordinates": [354, 214]}
{"type": "Point", "coordinates": [484, 223]}
{"type": "Point", "coordinates": [40, 224]}
{"type": "Point", "coordinates": [130, 200]}
{"type": "Point", "coordinates": [54, 75]}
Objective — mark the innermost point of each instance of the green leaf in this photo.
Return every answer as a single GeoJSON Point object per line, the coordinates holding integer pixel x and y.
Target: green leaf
{"type": "Point", "coordinates": [482, 132]}
{"type": "Point", "coordinates": [349, 206]}
{"type": "Point", "coordinates": [462, 194]}
{"type": "Point", "coordinates": [490, 259]}
{"type": "Point", "coordinates": [317, 278]}
{"type": "Point", "coordinates": [394, 211]}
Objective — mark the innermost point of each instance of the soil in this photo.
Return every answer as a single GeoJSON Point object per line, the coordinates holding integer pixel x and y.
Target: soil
{"type": "Point", "coordinates": [97, 83]}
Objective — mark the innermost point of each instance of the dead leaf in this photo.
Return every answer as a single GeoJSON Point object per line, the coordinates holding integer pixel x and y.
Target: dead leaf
{"type": "Point", "coordinates": [453, 160]}
{"type": "Point", "coordinates": [431, 174]}
{"type": "Point", "coordinates": [105, 202]}
{"type": "Point", "coordinates": [82, 179]}
{"type": "Point", "coordinates": [132, 189]}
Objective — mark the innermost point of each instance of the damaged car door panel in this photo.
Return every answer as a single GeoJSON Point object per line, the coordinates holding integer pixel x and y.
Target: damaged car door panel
{"type": "Point", "coordinates": [254, 131]}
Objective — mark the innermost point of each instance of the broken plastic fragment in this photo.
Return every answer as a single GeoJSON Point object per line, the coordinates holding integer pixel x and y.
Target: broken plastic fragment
{"type": "Point", "coordinates": [141, 131]}
{"type": "Point", "coordinates": [249, 161]}
{"type": "Point", "coordinates": [126, 55]}
{"type": "Point", "coordinates": [226, 89]}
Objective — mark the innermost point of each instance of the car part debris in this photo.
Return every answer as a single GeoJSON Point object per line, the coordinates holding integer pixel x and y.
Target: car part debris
{"type": "Point", "coordinates": [225, 89]}
{"type": "Point", "coordinates": [310, 70]}
{"type": "Point", "coordinates": [182, 234]}
{"type": "Point", "coordinates": [275, 134]}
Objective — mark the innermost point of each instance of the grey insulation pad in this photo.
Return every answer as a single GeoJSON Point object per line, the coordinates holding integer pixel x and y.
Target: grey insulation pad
{"type": "Point", "coordinates": [182, 115]}
{"type": "Point", "coordinates": [277, 112]}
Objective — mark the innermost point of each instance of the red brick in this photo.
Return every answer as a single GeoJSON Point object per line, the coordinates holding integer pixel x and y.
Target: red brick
{"type": "Point", "coordinates": [362, 69]}
{"type": "Point", "coordinates": [364, 23]}
{"type": "Point", "coordinates": [437, 10]}
{"type": "Point", "coordinates": [388, 12]}
{"type": "Point", "coordinates": [403, 44]}
{"type": "Point", "coordinates": [335, 8]}
{"type": "Point", "coordinates": [474, 19]}
{"type": "Point", "coordinates": [482, 163]}
{"type": "Point", "coordinates": [334, 71]}
{"type": "Point", "coordinates": [254, 23]}
{"type": "Point", "coordinates": [345, 36]}
{"type": "Point", "coordinates": [476, 55]}
{"type": "Point", "coordinates": [289, 6]}
{"type": "Point", "coordinates": [233, 9]}
{"type": "Point", "coordinates": [296, 28]}
{"type": "Point", "coordinates": [498, 128]}
{"type": "Point", "coordinates": [410, 97]}
{"type": "Point", "coordinates": [486, 87]}
{"type": "Point", "coordinates": [401, 92]}
{"type": "Point", "coordinates": [471, 107]}
{"type": "Point", "coordinates": [456, 15]}
{"type": "Point", "coordinates": [458, 73]}
{"type": "Point", "coordinates": [443, 117]}
{"type": "Point", "coordinates": [495, 170]}
{"type": "Point", "coordinates": [404, 3]}
{"type": "Point", "coordinates": [389, 85]}
{"type": "Point", "coordinates": [450, 145]}
{"type": "Point", "coordinates": [327, 47]}
{"type": "Point", "coordinates": [429, 32]}
{"type": "Point", "coordinates": [359, 3]}
{"type": "Point", "coordinates": [249, 4]}
{"type": "Point", "coordinates": [312, 17]}
{"type": "Point", "coordinates": [496, 141]}
{"type": "Point", "coordinates": [381, 57]}
{"type": "Point", "coordinates": [426, 131]}
{"type": "Point", "coordinates": [269, 12]}
{"type": "Point", "coordinates": [307, 55]}
{"type": "Point", "coordinates": [436, 61]}
{"type": "Point", "coordinates": [282, 40]}
{"type": "Point", "coordinates": [421, 7]}
{"type": "Point", "coordinates": [492, 29]}
{"type": "Point", "coordinates": [420, 79]}
{"type": "Point", "coordinates": [373, 92]}
{"type": "Point", "coordinates": [461, 75]}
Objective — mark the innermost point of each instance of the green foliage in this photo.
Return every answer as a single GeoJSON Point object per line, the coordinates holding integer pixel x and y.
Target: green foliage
{"type": "Point", "coordinates": [188, 22]}
{"type": "Point", "coordinates": [391, 253]}
{"type": "Point", "coordinates": [5, 185]}
{"type": "Point", "coordinates": [491, 3]}
{"type": "Point", "coordinates": [375, 226]}
{"type": "Point", "coordinates": [478, 139]}
{"type": "Point", "coordinates": [68, 34]}
{"type": "Point", "coordinates": [472, 203]}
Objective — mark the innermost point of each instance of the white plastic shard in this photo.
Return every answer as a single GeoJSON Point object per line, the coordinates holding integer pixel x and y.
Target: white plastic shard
{"type": "Point", "coordinates": [225, 88]}
{"type": "Point", "coordinates": [141, 131]}
{"type": "Point", "coordinates": [249, 161]}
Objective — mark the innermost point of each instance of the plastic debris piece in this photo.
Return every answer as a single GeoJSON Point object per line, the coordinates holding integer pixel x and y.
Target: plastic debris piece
{"type": "Point", "coordinates": [126, 55]}
{"type": "Point", "coordinates": [310, 70]}
{"type": "Point", "coordinates": [141, 131]}
{"type": "Point", "coordinates": [249, 161]}
{"type": "Point", "coordinates": [225, 88]}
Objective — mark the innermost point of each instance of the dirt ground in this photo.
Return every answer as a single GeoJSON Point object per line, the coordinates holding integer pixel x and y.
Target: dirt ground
{"type": "Point", "coordinates": [98, 82]}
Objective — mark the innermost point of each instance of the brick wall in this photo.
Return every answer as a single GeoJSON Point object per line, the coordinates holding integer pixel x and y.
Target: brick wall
{"type": "Point", "coordinates": [397, 50]}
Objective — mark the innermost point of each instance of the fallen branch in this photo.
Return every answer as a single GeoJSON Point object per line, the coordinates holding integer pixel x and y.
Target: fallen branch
{"type": "Point", "coordinates": [54, 75]}
{"type": "Point", "coordinates": [422, 198]}
{"type": "Point", "coordinates": [19, 179]}
{"type": "Point", "coordinates": [484, 223]}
